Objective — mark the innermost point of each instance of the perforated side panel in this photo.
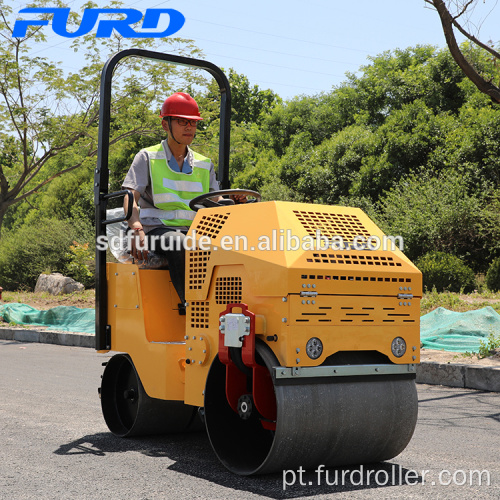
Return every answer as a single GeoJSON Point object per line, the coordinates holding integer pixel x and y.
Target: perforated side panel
{"type": "Point", "coordinates": [228, 290]}
{"type": "Point", "coordinates": [198, 313]}
{"type": "Point", "coordinates": [351, 258]}
{"type": "Point", "coordinates": [210, 225]}
{"type": "Point", "coordinates": [330, 225]}
{"type": "Point", "coordinates": [197, 262]}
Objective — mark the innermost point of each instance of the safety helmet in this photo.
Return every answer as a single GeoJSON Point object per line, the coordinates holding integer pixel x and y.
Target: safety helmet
{"type": "Point", "coordinates": [181, 105]}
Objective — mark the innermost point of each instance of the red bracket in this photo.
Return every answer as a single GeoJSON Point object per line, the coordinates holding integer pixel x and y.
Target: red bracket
{"type": "Point", "coordinates": [236, 381]}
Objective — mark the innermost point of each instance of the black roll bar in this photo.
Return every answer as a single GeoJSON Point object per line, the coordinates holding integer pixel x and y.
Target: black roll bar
{"type": "Point", "coordinates": [101, 175]}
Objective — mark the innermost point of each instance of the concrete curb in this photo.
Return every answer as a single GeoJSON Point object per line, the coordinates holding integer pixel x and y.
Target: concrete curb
{"type": "Point", "coordinates": [48, 337]}
{"type": "Point", "coordinates": [483, 378]}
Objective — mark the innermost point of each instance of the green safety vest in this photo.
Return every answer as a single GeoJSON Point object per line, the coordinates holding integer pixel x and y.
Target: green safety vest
{"type": "Point", "coordinates": [172, 191]}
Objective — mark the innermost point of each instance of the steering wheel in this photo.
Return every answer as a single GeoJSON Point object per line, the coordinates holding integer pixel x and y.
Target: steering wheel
{"type": "Point", "coordinates": [204, 201]}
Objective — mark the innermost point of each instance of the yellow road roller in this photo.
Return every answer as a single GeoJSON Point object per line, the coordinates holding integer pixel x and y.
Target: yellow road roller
{"type": "Point", "coordinates": [301, 335]}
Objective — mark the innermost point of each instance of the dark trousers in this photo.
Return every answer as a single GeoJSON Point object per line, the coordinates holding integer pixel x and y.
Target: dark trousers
{"type": "Point", "coordinates": [169, 242]}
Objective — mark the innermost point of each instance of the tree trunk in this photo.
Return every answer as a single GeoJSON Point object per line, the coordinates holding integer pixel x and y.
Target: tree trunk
{"type": "Point", "coordinates": [447, 22]}
{"type": "Point", "coordinates": [3, 211]}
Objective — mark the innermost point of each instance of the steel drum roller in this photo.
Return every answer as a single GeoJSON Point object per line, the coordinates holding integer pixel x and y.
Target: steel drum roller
{"type": "Point", "coordinates": [341, 421]}
{"type": "Point", "coordinates": [129, 411]}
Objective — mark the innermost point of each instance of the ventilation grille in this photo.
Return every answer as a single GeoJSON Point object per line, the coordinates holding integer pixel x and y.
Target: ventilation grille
{"type": "Point", "coordinates": [199, 314]}
{"type": "Point", "coordinates": [354, 278]}
{"type": "Point", "coordinates": [198, 262]}
{"type": "Point", "coordinates": [355, 315]}
{"type": "Point", "coordinates": [356, 259]}
{"type": "Point", "coordinates": [228, 290]}
{"type": "Point", "coordinates": [330, 225]}
{"type": "Point", "coordinates": [210, 225]}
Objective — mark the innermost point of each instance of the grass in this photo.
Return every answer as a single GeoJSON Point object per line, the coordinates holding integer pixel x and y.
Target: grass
{"type": "Point", "coordinates": [44, 300]}
{"type": "Point", "coordinates": [459, 302]}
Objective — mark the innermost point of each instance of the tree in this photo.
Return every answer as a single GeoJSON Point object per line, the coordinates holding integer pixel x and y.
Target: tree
{"type": "Point", "coordinates": [49, 119]}
{"type": "Point", "coordinates": [479, 76]}
{"type": "Point", "coordinates": [447, 213]}
{"type": "Point", "coordinates": [249, 102]}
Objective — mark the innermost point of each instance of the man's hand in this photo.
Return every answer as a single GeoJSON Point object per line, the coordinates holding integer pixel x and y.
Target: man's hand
{"type": "Point", "coordinates": [138, 243]}
{"type": "Point", "coordinates": [239, 198]}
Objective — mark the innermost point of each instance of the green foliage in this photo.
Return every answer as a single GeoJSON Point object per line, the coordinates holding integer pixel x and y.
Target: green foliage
{"type": "Point", "coordinates": [316, 117]}
{"type": "Point", "coordinates": [404, 76]}
{"type": "Point", "coordinates": [487, 347]}
{"type": "Point", "coordinates": [445, 272]}
{"type": "Point", "coordinates": [249, 103]}
{"type": "Point", "coordinates": [333, 165]}
{"type": "Point", "coordinates": [474, 145]}
{"type": "Point", "coordinates": [493, 276]}
{"type": "Point", "coordinates": [440, 213]}
{"type": "Point", "coordinates": [81, 265]}
{"type": "Point", "coordinates": [35, 249]}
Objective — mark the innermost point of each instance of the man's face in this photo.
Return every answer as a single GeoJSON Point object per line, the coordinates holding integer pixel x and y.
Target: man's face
{"type": "Point", "coordinates": [182, 130]}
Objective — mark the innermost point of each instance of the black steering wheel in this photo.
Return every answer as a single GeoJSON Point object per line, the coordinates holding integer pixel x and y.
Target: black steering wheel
{"type": "Point", "coordinates": [204, 201]}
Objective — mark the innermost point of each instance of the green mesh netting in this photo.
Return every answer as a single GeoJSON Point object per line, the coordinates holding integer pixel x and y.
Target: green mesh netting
{"type": "Point", "coordinates": [65, 318]}
{"type": "Point", "coordinates": [440, 329]}
{"type": "Point", "coordinates": [458, 332]}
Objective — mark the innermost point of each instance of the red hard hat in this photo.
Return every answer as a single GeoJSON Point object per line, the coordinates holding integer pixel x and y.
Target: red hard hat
{"type": "Point", "coordinates": [181, 105]}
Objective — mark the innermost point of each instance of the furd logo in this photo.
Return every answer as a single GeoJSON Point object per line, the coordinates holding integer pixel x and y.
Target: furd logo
{"type": "Point", "coordinates": [105, 26]}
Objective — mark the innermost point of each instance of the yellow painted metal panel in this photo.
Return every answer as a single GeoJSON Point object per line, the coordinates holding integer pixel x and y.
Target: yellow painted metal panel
{"type": "Point", "coordinates": [160, 302]}
{"type": "Point", "coordinates": [159, 365]}
{"type": "Point", "coordinates": [351, 338]}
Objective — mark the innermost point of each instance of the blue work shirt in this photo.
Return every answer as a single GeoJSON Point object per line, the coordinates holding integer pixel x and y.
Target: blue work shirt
{"type": "Point", "coordinates": [186, 167]}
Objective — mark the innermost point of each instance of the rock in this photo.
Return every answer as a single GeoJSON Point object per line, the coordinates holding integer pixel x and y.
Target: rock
{"type": "Point", "coordinates": [57, 284]}
{"type": "Point", "coordinates": [495, 353]}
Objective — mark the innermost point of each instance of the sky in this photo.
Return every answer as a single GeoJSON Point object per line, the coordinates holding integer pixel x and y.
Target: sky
{"type": "Point", "coordinates": [293, 47]}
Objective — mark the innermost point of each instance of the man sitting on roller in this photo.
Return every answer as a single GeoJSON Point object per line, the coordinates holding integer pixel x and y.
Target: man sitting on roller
{"type": "Point", "coordinates": [163, 179]}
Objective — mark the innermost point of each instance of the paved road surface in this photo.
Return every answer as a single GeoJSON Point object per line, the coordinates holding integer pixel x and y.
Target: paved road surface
{"type": "Point", "coordinates": [54, 445]}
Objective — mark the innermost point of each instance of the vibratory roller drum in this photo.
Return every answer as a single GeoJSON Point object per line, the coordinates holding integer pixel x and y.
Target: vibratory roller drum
{"type": "Point", "coordinates": [330, 421]}
{"type": "Point", "coordinates": [129, 411]}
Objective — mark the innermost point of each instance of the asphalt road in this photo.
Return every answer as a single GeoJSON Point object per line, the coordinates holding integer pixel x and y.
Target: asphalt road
{"type": "Point", "coordinates": [54, 444]}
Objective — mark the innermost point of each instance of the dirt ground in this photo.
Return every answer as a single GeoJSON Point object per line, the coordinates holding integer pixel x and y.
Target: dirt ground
{"type": "Point", "coordinates": [459, 358]}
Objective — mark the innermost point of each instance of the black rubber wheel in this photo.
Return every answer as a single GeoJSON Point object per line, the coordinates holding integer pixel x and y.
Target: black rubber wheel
{"type": "Point", "coordinates": [129, 411]}
{"type": "Point", "coordinates": [334, 422]}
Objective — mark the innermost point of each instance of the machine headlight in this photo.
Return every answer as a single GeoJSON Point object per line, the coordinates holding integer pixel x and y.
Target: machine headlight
{"type": "Point", "coordinates": [314, 348]}
{"type": "Point", "coordinates": [398, 347]}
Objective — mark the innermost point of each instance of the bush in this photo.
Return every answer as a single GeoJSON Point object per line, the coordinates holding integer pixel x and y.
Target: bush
{"type": "Point", "coordinates": [81, 266]}
{"type": "Point", "coordinates": [442, 214]}
{"type": "Point", "coordinates": [32, 250]}
{"type": "Point", "coordinates": [445, 272]}
{"type": "Point", "coordinates": [493, 276]}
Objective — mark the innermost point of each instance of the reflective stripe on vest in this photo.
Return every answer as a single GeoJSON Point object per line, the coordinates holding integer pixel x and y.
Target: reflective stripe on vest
{"type": "Point", "coordinates": [156, 213]}
{"type": "Point", "coordinates": [172, 191]}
